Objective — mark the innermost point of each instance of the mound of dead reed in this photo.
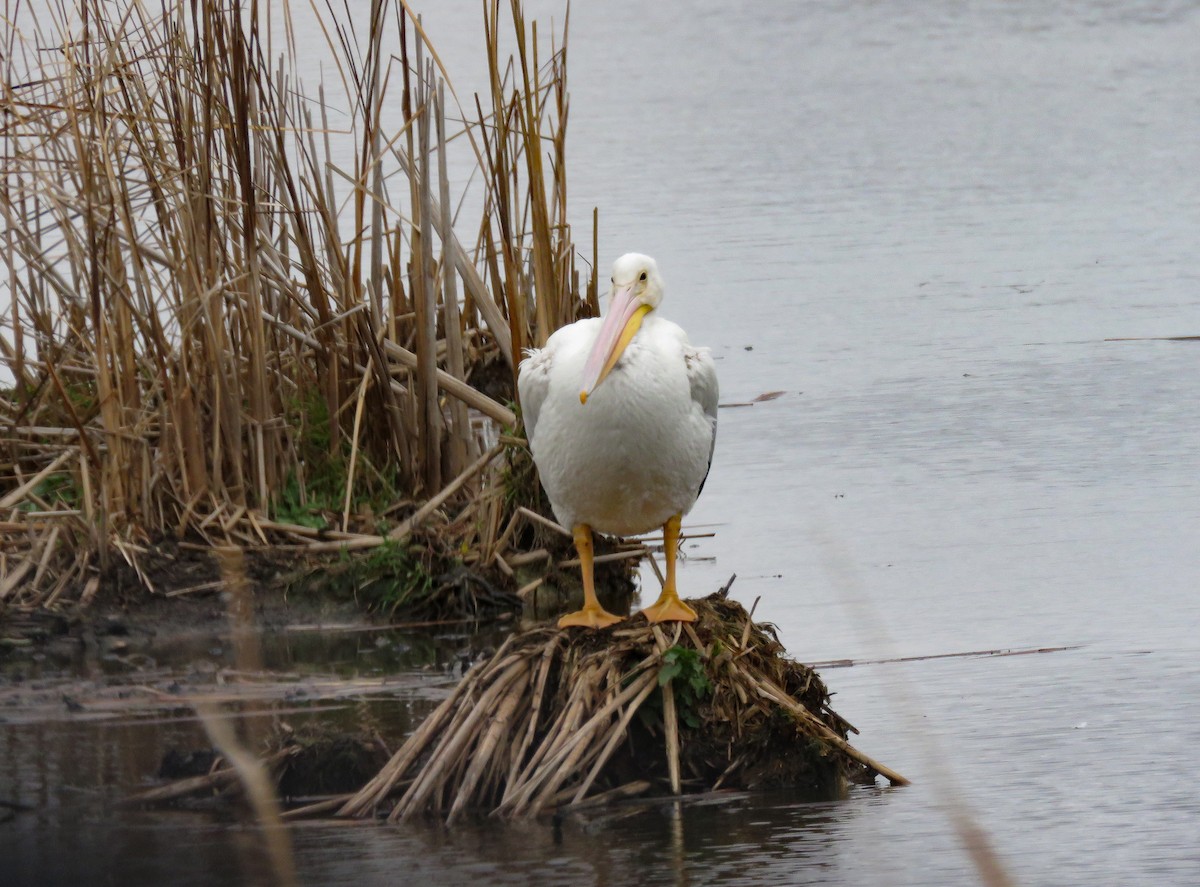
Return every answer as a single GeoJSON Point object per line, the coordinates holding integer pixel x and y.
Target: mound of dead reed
{"type": "Point", "coordinates": [574, 718]}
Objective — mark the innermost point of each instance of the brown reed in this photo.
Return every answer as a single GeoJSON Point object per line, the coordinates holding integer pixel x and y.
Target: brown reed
{"type": "Point", "coordinates": [220, 327]}
{"type": "Point", "coordinates": [566, 719]}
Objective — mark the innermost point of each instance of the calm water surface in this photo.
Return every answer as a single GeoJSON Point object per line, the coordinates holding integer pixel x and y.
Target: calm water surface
{"type": "Point", "coordinates": [922, 223]}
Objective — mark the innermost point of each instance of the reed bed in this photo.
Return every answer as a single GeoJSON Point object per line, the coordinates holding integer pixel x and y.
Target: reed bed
{"type": "Point", "coordinates": [223, 328]}
{"type": "Point", "coordinates": [564, 720]}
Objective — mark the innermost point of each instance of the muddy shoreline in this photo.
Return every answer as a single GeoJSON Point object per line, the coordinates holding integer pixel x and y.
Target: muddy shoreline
{"type": "Point", "coordinates": [121, 611]}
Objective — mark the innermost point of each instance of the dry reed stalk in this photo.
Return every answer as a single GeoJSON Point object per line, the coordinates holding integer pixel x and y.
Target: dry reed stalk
{"type": "Point", "coordinates": [14, 577]}
{"type": "Point", "coordinates": [670, 718]}
{"type": "Point", "coordinates": [259, 789]}
{"type": "Point", "coordinates": [457, 388]}
{"type": "Point", "coordinates": [206, 784]}
{"type": "Point", "coordinates": [316, 808]}
{"type": "Point", "coordinates": [375, 791]}
{"type": "Point", "coordinates": [615, 737]}
{"type": "Point", "coordinates": [358, 413]}
{"type": "Point", "coordinates": [460, 441]}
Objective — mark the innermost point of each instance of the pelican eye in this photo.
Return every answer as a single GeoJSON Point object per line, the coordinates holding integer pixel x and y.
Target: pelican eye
{"type": "Point", "coordinates": [643, 277]}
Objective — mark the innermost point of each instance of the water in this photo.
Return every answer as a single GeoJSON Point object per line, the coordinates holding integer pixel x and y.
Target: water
{"type": "Point", "coordinates": [922, 223]}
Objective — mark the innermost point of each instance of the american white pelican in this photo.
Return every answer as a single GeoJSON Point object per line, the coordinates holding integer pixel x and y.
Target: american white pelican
{"type": "Point", "coordinates": [621, 416]}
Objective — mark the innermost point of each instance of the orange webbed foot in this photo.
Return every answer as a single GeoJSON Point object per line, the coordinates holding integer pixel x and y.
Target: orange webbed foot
{"type": "Point", "coordinates": [669, 608]}
{"type": "Point", "coordinates": [590, 617]}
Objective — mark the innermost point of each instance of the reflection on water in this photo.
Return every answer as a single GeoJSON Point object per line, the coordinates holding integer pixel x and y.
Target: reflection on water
{"type": "Point", "coordinates": [742, 841]}
{"type": "Point", "coordinates": [72, 747]}
{"type": "Point", "coordinates": [921, 222]}
{"type": "Point", "coordinates": [1051, 743]}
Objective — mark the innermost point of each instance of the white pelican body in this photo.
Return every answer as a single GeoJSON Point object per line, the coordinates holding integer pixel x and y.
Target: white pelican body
{"type": "Point", "coordinates": [629, 455]}
{"type": "Point", "coordinates": [638, 450]}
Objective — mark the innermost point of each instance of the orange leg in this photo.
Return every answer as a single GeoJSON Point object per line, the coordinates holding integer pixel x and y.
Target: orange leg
{"type": "Point", "coordinates": [668, 607]}
{"type": "Point", "coordinates": [592, 615]}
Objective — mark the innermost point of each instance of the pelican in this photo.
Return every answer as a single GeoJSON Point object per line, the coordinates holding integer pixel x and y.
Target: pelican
{"type": "Point", "coordinates": [621, 415]}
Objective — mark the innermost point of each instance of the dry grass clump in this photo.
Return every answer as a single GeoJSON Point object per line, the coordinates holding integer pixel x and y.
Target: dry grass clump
{"type": "Point", "coordinates": [575, 718]}
{"type": "Point", "coordinates": [238, 310]}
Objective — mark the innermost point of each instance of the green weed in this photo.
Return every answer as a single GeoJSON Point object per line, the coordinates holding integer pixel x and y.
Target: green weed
{"type": "Point", "coordinates": [683, 669]}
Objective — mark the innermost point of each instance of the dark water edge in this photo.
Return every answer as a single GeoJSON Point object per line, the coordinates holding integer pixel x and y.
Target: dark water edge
{"type": "Point", "coordinates": [78, 735]}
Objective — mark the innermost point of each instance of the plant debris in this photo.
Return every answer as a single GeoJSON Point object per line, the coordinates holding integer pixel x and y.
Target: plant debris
{"type": "Point", "coordinates": [559, 719]}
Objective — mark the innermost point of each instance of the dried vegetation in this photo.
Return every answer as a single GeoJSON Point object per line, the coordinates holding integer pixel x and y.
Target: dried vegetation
{"type": "Point", "coordinates": [238, 310]}
{"type": "Point", "coordinates": [561, 720]}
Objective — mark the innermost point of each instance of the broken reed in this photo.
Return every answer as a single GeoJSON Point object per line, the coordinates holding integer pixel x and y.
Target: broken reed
{"type": "Point", "coordinates": [563, 720]}
{"type": "Point", "coordinates": [219, 326]}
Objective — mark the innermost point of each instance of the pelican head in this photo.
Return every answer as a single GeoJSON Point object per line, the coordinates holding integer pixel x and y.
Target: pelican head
{"type": "Point", "coordinates": [637, 289]}
{"type": "Point", "coordinates": [639, 273]}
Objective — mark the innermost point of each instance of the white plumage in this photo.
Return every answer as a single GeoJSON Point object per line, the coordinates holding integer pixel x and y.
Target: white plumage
{"type": "Point", "coordinates": [639, 449]}
{"type": "Point", "coordinates": [634, 456]}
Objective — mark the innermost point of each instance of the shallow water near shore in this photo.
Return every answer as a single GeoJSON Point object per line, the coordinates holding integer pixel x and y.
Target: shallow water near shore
{"type": "Point", "coordinates": [925, 227]}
